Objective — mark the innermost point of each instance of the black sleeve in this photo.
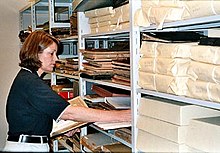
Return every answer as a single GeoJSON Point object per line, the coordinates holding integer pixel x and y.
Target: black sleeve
{"type": "Point", "coordinates": [43, 98]}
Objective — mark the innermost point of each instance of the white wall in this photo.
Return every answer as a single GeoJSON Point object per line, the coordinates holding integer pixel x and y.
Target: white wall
{"type": "Point", "coordinates": [9, 50]}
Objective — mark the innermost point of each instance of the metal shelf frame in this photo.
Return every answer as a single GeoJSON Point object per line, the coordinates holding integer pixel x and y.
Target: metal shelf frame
{"type": "Point", "coordinates": [110, 133]}
{"type": "Point", "coordinates": [52, 5]}
{"type": "Point", "coordinates": [83, 35]}
{"type": "Point", "coordinates": [108, 83]}
{"type": "Point", "coordinates": [25, 17]}
{"type": "Point", "coordinates": [196, 24]}
{"type": "Point", "coordinates": [204, 103]}
{"type": "Point", "coordinates": [45, 8]}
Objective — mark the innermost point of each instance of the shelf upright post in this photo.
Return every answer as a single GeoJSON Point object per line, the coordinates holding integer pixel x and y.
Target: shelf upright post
{"type": "Point", "coordinates": [53, 75]}
{"type": "Point", "coordinates": [33, 16]}
{"type": "Point", "coordinates": [51, 14]}
{"type": "Point", "coordinates": [53, 78]}
{"type": "Point", "coordinates": [25, 17]}
{"type": "Point", "coordinates": [134, 58]}
{"type": "Point", "coordinates": [21, 23]}
{"type": "Point", "coordinates": [83, 28]}
{"type": "Point", "coordinates": [52, 23]}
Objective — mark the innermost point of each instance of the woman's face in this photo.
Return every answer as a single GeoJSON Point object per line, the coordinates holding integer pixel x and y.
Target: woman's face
{"type": "Point", "coordinates": [48, 58]}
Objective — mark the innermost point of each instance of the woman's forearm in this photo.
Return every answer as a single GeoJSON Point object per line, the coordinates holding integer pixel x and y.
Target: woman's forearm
{"type": "Point", "coordinates": [84, 114]}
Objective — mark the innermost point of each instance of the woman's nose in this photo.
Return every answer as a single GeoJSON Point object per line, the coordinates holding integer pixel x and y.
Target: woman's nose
{"type": "Point", "coordinates": [55, 57]}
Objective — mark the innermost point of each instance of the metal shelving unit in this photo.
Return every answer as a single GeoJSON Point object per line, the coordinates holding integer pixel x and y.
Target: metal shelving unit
{"type": "Point", "coordinates": [202, 24]}
{"type": "Point", "coordinates": [84, 35]}
{"type": "Point", "coordinates": [183, 99]}
{"type": "Point", "coordinates": [52, 12]}
{"type": "Point", "coordinates": [197, 24]}
{"type": "Point", "coordinates": [107, 83]}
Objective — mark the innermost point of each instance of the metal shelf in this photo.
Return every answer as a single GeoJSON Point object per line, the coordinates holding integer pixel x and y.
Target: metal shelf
{"type": "Point", "coordinates": [46, 1]}
{"type": "Point", "coordinates": [108, 83]}
{"type": "Point", "coordinates": [109, 133]}
{"type": "Point", "coordinates": [111, 34]}
{"type": "Point", "coordinates": [69, 39]}
{"type": "Point", "coordinates": [203, 103]}
{"type": "Point", "coordinates": [26, 9]}
{"type": "Point", "coordinates": [85, 5]}
{"type": "Point", "coordinates": [195, 24]}
{"type": "Point", "coordinates": [67, 75]}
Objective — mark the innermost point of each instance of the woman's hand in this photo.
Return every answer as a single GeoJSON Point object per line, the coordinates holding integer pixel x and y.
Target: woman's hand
{"type": "Point", "coordinates": [72, 132]}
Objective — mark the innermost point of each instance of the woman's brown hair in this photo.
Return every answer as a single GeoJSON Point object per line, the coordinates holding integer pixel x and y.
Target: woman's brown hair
{"type": "Point", "coordinates": [34, 44]}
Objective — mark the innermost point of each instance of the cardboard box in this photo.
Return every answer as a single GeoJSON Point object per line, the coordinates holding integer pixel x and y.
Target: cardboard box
{"type": "Point", "coordinates": [204, 134]}
{"type": "Point", "coordinates": [147, 142]}
{"type": "Point", "coordinates": [178, 113]}
{"type": "Point", "coordinates": [163, 129]}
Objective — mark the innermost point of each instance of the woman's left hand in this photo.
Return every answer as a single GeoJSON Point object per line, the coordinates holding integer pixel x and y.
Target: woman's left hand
{"type": "Point", "coordinates": [71, 133]}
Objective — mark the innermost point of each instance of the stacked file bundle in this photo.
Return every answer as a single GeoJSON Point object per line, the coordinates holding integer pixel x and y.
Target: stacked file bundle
{"type": "Point", "coordinates": [204, 70]}
{"type": "Point", "coordinates": [121, 72]}
{"type": "Point", "coordinates": [187, 69]}
{"type": "Point", "coordinates": [73, 25]}
{"type": "Point", "coordinates": [163, 125]}
{"type": "Point", "coordinates": [164, 61]}
{"type": "Point", "coordinates": [160, 11]}
{"type": "Point", "coordinates": [98, 62]}
{"type": "Point", "coordinates": [108, 19]}
{"type": "Point", "coordinates": [67, 66]}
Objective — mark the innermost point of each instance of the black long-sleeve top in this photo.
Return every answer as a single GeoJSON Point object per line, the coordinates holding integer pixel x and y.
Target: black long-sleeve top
{"type": "Point", "coordinates": [32, 105]}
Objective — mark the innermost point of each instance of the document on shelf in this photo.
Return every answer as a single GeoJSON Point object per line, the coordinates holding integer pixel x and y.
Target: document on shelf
{"type": "Point", "coordinates": [113, 125]}
{"type": "Point", "coordinates": [119, 102]}
{"type": "Point", "coordinates": [94, 98]}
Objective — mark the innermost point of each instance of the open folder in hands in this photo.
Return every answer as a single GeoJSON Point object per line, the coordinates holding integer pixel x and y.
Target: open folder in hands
{"type": "Point", "coordinates": [63, 126]}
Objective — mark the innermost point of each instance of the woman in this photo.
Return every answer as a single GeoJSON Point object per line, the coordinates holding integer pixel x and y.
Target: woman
{"type": "Point", "coordinates": [32, 104]}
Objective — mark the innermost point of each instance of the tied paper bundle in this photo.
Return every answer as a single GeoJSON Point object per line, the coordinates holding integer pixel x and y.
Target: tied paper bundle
{"type": "Point", "coordinates": [121, 71]}
{"type": "Point", "coordinates": [204, 73]}
{"type": "Point", "coordinates": [187, 69]}
{"type": "Point", "coordinates": [67, 66]}
{"type": "Point", "coordinates": [159, 12]}
{"type": "Point", "coordinates": [108, 19]}
{"type": "Point", "coordinates": [98, 62]}
{"type": "Point", "coordinates": [164, 61]}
